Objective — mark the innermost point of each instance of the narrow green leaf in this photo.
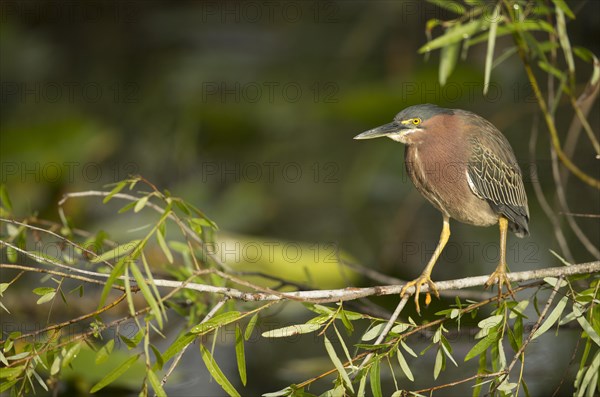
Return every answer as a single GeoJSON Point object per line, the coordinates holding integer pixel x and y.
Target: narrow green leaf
{"type": "Point", "coordinates": [518, 310]}
{"type": "Point", "coordinates": [216, 322]}
{"type": "Point", "coordinates": [408, 349]}
{"type": "Point", "coordinates": [362, 385]}
{"type": "Point", "coordinates": [178, 345]}
{"type": "Point", "coordinates": [338, 364]}
{"type": "Point", "coordinates": [373, 332]}
{"type": "Point", "coordinates": [216, 372]}
{"type": "Point", "coordinates": [375, 378]}
{"type": "Point", "coordinates": [439, 364]}
{"type": "Point", "coordinates": [546, 67]}
{"type": "Point", "coordinates": [481, 370]}
{"type": "Point", "coordinates": [163, 246]}
{"type": "Point", "coordinates": [506, 387]}
{"type": "Point", "coordinates": [150, 299]}
{"type": "Point", "coordinates": [518, 332]}
{"type": "Point", "coordinates": [563, 38]}
{"type": "Point", "coordinates": [41, 291]}
{"type": "Point", "coordinates": [449, 5]}
{"type": "Point", "coordinates": [448, 58]}
{"type": "Point", "coordinates": [159, 358]}
{"type": "Point", "coordinates": [55, 367]}
{"type": "Point", "coordinates": [132, 343]}
{"type": "Point", "coordinates": [560, 4]}
{"type": "Point", "coordinates": [39, 380]}
{"type": "Point", "coordinates": [552, 318]}
{"type": "Point", "coordinates": [404, 366]}
{"type": "Point", "coordinates": [513, 27]}
{"type": "Point", "coordinates": [71, 354]}
{"type": "Point", "coordinates": [489, 57]}
{"type": "Point", "coordinates": [5, 198]}
{"type": "Point", "coordinates": [590, 379]}
{"type": "Point", "coordinates": [291, 330]}
{"type": "Point", "coordinates": [482, 345]}
{"type": "Point", "coordinates": [346, 321]}
{"type": "Point", "coordinates": [46, 298]}
{"type": "Point", "coordinates": [240, 354]}
{"type": "Point", "coordinates": [4, 386]}
{"type": "Point", "coordinates": [105, 351]}
{"type": "Point", "coordinates": [280, 393]}
{"type": "Point", "coordinates": [117, 252]}
{"type": "Point", "coordinates": [155, 383]}
{"type": "Point", "coordinates": [12, 254]}
{"type": "Point", "coordinates": [454, 35]}
{"type": "Point", "coordinates": [7, 373]}
{"type": "Point", "coordinates": [114, 374]}
{"type": "Point", "coordinates": [129, 293]}
{"type": "Point", "coordinates": [140, 204]}
{"type": "Point", "coordinates": [501, 355]}
{"type": "Point", "coordinates": [126, 207]}
{"type": "Point", "coordinates": [18, 356]}
{"type": "Point", "coordinates": [587, 327]}
{"type": "Point", "coordinates": [153, 285]}
{"type": "Point", "coordinates": [446, 347]}
{"type": "Point", "coordinates": [400, 328]}
{"type": "Point", "coordinates": [115, 190]}
{"type": "Point", "coordinates": [584, 54]}
{"type": "Point", "coordinates": [490, 322]}
{"type": "Point", "coordinates": [553, 281]}
{"type": "Point", "coordinates": [250, 327]}
{"type": "Point", "coordinates": [344, 347]}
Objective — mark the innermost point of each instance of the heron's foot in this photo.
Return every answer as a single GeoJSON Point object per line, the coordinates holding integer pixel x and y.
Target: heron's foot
{"type": "Point", "coordinates": [417, 283]}
{"type": "Point", "coordinates": [499, 277]}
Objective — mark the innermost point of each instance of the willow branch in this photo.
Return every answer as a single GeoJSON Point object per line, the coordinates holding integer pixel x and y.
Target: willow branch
{"type": "Point", "coordinates": [550, 123]}
{"type": "Point", "coordinates": [186, 229]}
{"type": "Point", "coordinates": [345, 294]}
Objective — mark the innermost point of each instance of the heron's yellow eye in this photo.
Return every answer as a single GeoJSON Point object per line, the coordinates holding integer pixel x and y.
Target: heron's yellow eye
{"type": "Point", "coordinates": [416, 121]}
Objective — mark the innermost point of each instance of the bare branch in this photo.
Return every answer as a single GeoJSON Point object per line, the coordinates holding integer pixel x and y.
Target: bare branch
{"type": "Point", "coordinates": [344, 294]}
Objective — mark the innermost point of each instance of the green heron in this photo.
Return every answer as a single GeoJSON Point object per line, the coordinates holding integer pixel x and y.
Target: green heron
{"type": "Point", "coordinates": [466, 168]}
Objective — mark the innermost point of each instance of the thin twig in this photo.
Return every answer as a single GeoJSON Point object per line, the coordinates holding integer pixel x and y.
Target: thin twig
{"type": "Point", "coordinates": [536, 326]}
{"type": "Point", "coordinates": [562, 200]}
{"type": "Point", "coordinates": [60, 274]}
{"type": "Point", "coordinates": [73, 320]}
{"type": "Point", "coordinates": [388, 327]}
{"type": "Point", "coordinates": [415, 330]}
{"type": "Point", "coordinates": [541, 197]}
{"type": "Point", "coordinates": [62, 238]}
{"type": "Point", "coordinates": [189, 232]}
{"type": "Point", "coordinates": [179, 355]}
{"type": "Point", "coordinates": [523, 54]}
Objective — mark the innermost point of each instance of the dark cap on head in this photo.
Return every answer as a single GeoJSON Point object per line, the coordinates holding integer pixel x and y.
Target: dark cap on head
{"type": "Point", "coordinates": [423, 111]}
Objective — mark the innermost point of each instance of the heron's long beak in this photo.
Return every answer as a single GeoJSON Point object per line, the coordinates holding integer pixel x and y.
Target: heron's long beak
{"type": "Point", "coordinates": [384, 130]}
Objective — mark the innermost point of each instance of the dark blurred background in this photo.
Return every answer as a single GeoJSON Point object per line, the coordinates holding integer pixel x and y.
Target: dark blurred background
{"type": "Point", "coordinates": [248, 109]}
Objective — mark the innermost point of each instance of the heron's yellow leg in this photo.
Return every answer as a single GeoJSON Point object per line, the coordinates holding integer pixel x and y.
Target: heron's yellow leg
{"type": "Point", "coordinates": [499, 276]}
{"type": "Point", "coordinates": [425, 277]}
